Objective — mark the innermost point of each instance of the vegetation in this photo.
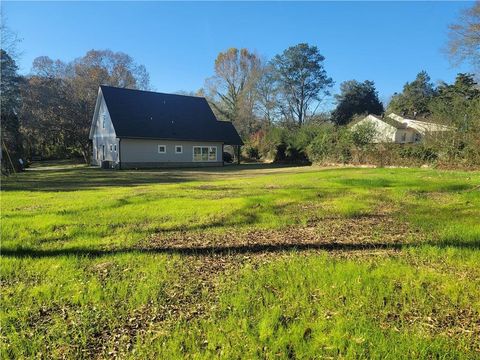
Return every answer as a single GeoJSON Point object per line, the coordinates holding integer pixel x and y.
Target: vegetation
{"type": "Point", "coordinates": [356, 98]}
{"type": "Point", "coordinates": [47, 113]}
{"type": "Point", "coordinates": [464, 38]}
{"type": "Point", "coordinates": [415, 98]}
{"type": "Point", "coordinates": [10, 104]}
{"type": "Point", "coordinates": [59, 100]}
{"type": "Point", "coordinates": [302, 80]}
{"type": "Point", "coordinates": [456, 105]}
{"type": "Point", "coordinates": [250, 261]}
{"type": "Point", "coordinates": [231, 90]}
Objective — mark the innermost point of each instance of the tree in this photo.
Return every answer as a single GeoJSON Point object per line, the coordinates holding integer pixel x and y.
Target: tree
{"type": "Point", "coordinates": [10, 38]}
{"type": "Point", "coordinates": [267, 104]}
{"type": "Point", "coordinates": [60, 98]}
{"type": "Point", "coordinates": [464, 38]}
{"type": "Point", "coordinates": [458, 104]}
{"type": "Point", "coordinates": [45, 125]}
{"type": "Point", "coordinates": [302, 80]}
{"type": "Point", "coordinates": [231, 90]}
{"type": "Point", "coordinates": [356, 98]}
{"type": "Point", "coordinates": [10, 105]}
{"type": "Point", "coordinates": [415, 98]}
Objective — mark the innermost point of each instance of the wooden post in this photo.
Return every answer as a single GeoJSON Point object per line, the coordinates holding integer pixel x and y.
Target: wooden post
{"type": "Point", "coordinates": [238, 154]}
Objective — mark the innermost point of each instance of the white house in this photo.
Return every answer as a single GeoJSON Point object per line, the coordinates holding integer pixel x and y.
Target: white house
{"type": "Point", "coordinates": [397, 129]}
{"type": "Point", "coordinates": [144, 129]}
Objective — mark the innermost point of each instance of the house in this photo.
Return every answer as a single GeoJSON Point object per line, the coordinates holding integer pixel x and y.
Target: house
{"type": "Point", "coordinates": [395, 128]}
{"type": "Point", "coordinates": [144, 129]}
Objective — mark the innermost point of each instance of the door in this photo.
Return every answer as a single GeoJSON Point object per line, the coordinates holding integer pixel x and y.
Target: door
{"type": "Point", "coordinates": [103, 152]}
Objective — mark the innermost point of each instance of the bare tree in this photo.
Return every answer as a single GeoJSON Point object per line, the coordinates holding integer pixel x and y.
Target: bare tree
{"type": "Point", "coordinates": [231, 90]}
{"type": "Point", "coordinates": [60, 98]}
{"type": "Point", "coordinates": [464, 38]}
{"type": "Point", "coordinates": [267, 102]}
{"type": "Point", "coordinates": [9, 38]}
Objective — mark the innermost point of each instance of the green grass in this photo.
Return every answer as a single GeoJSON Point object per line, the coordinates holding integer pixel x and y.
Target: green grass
{"type": "Point", "coordinates": [184, 263]}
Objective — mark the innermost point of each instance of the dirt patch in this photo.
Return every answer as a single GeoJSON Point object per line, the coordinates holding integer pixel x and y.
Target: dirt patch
{"type": "Point", "coordinates": [209, 256]}
{"type": "Point", "coordinates": [369, 232]}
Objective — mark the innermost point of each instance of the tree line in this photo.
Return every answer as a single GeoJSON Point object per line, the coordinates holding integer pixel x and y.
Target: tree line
{"type": "Point", "coordinates": [48, 112]}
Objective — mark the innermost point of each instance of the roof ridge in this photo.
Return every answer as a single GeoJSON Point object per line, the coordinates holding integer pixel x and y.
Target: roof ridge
{"type": "Point", "coordinates": [152, 92]}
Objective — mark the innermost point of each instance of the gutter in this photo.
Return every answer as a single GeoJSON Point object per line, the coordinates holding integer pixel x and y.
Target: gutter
{"type": "Point", "coordinates": [176, 139]}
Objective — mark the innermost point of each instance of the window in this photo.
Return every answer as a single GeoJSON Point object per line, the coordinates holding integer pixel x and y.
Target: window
{"type": "Point", "coordinates": [103, 120]}
{"type": "Point", "coordinates": [212, 153]}
{"type": "Point", "coordinates": [111, 147]}
{"type": "Point", "coordinates": [162, 149]}
{"type": "Point", "coordinates": [178, 149]}
{"type": "Point", "coordinates": [204, 153]}
{"type": "Point", "coordinates": [404, 137]}
{"type": "Point", "coordinates": [417, 137]}
{"type": "Point", "coordinates": [115, 147]}
{"type": "Point", "coordinates": [197, 153]}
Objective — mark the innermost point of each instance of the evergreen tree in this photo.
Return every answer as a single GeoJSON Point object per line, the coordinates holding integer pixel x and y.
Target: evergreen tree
{"type": "Point", "coordinates": [415, 98]}
{"type": "Point", "coordinates": [458, 104]}
{"type": "Point", "coordinates": [356, 98]}
{"type": "Point", "coordinates": [301, 79]}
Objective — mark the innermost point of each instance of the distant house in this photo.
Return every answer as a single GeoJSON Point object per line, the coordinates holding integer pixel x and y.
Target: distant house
{"type": "Point", "coordinates": [144, 129]}
{"type": "Point", "coordinates": [395, 128]}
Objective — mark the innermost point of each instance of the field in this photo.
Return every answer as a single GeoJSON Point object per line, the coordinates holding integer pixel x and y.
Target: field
{"type": "Point", "coordinates": [240, 262]}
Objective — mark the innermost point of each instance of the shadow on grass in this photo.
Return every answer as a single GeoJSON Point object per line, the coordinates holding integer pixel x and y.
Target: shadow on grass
{"type": "Point", "coordinates": [229, 250]}
{"type": "Point", "coordinates": [198, 251]}
{"type": "Point", "coordinates": [82, 177]}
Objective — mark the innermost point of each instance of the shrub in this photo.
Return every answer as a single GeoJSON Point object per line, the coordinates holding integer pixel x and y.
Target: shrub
{"type": "Point", "coordinates": [325, 143]}
{"type": "Point", "coordinates": [363, 134]}
{"type": "Point", "coordinates": [272, 144]}
{"type": "Point", "coordinates": [251, 152]}
{"type": "Point", "coordinates": [420, 152]}
{"type": "Point", "coordinates": [331, 144]}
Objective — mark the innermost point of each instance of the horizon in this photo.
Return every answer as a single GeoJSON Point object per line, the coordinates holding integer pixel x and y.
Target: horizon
{"type": "Point", "coordinates": [182, 61]}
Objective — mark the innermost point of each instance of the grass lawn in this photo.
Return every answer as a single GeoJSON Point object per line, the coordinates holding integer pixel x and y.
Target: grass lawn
{"type": "Point", "coordinates": [240, 262]}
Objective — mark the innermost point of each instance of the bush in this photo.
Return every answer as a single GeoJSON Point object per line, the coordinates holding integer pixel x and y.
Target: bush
{"type": "Point", "coordinates": [326, 143]}
{"type": "Point", "coordinates": [420, 152]}
{"type": "Point", "coordinates": [272, 144]}
{"type": "Point", "coordinates": [287, 145]}
{"type": "Point", "coordinates": [331, 144]}
{"type": "Point", "coordinates": [251, 152]}
{"type": "Point", "coordinates": [363, 134]}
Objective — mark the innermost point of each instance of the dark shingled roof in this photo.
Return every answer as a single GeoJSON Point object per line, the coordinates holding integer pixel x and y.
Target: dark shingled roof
{"type": "Point", "coordinates": [151, 115]}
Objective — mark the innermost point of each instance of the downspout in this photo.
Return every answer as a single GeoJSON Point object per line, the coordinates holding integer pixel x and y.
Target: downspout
{"type": "Point", "coordinates": [119, 154]}
{"type": "Point", "coordinates": [96, 148]}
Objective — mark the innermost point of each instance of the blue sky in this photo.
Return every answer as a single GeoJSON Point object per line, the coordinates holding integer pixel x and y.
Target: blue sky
{"type": "Point", "coordinates": [387, 42]}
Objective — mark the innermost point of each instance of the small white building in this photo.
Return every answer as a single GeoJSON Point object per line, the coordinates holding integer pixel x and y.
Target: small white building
{"type": "Point", "coordinates": [397, 129]}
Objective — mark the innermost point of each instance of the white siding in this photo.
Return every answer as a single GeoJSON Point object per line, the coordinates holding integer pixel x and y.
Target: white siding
{"type": "Point", "coordinates": [105, 142]}
{"type": "Point", "coordinates": [385, 132]}
{"type": "Point", "coordinates": [406, 136]}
